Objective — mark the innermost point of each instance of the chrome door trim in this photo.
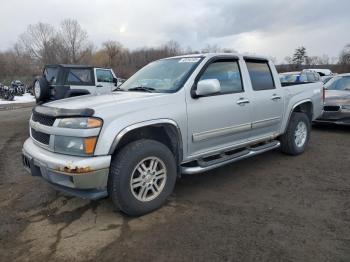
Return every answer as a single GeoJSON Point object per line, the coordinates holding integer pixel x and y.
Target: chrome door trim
{"type": "Point", "coordinates": [196, 137]}
{"type": "Point", "coordinates": [265, 122]}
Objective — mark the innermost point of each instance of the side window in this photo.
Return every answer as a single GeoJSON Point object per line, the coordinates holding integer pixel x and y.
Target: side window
{"type": "Point", "coordinates": [104, 75]}
{"type": "Point", "coordinates": [228, 74]}
{"type": "Point", "coordinates": [80, 76]}
{"type": "Point", "coordinates": [342, 84]}
{"type": "Point", "coordinates": [260, 75]}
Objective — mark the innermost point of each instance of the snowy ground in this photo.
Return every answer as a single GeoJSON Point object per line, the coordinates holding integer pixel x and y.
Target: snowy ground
{"type": "Point", "coordinates": [26, 98]}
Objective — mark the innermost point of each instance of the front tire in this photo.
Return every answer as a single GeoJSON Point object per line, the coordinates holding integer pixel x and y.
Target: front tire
{"type": "Point", "coordinates": [297, 135]}
{"type": "Point", "coordinates": [142, 177]}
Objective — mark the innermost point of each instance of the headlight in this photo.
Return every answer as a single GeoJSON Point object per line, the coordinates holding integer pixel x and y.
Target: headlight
{"type": "Point", "coordinates": [79, 146]}
{"type": "Point", "coordinates": [346, 107]}
{"type": "Point", "coordinates": [80, 123]}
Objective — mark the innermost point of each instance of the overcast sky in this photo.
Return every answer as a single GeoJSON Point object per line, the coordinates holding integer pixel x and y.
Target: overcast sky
{"type": "Point", "coordinates": [271, 27]}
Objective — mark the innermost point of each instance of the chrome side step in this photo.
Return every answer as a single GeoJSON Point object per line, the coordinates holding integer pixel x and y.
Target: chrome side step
{"type": "Point", "coordinates": [225, 158]}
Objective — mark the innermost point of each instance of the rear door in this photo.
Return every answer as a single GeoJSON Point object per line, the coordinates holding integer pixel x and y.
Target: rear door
{"type": "Point", "coordinates": [81, 80]}
{"type": "Point", "coordinates": [104, 80]}
{"type": "Point", "coordinates": [219, 121]}
{"type": "Point", "coordinates": [266, 99]}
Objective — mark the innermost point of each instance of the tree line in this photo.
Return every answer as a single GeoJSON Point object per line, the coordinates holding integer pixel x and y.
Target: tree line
{"type": "Point", "coordinates": [301, 60]}
{"type": "Point", "coordinates": [69, 43]}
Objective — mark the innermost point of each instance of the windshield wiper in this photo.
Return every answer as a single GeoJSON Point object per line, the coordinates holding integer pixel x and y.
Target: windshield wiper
{"type": "Point", "coordinates": [142, 88]}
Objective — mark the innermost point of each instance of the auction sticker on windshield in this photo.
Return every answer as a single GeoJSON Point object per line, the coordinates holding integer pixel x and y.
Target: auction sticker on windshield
{"type": "Point", "coordinates": [189, 60]}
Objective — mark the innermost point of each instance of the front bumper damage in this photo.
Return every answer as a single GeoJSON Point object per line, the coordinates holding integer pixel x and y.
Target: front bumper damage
{"type": "Point", "coordinates": [84, 177]}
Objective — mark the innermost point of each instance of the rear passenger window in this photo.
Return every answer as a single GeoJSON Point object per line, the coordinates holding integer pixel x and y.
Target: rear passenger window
{"type": "Point", "coordinates": [260, 75]}
{"type": "Point", "coordinates": [228, 74]}
{"type": "Point", "coordinates": [80, 76]}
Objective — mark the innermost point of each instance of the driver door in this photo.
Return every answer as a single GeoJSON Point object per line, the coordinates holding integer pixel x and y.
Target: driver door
{"type": "Point", "coordinates": [221, 120]}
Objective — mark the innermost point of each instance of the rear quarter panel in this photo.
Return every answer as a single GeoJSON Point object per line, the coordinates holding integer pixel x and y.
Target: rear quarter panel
{"type": "Point", "coordinates": [297, 94]}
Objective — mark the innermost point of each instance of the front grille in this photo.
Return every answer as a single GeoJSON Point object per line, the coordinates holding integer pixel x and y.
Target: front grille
{"type": "Point", "coordinates": [43, 119]}
{"type": "Point", "coordinates": [40, 137]}
{"type": "Point", "coordinates": [331, 108]}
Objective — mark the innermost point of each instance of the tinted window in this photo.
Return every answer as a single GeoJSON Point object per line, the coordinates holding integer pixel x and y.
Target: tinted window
{"type": "Point", "coordinates": [260, 75]}
{"type": "Point", "coordinates": [104, 75]}
{"type": "Point", "coordinates": [80, 76]}
{"type": "Point", "coordinates": [227, 72]}
{"type": "Point", "coordinates": [342, 83]}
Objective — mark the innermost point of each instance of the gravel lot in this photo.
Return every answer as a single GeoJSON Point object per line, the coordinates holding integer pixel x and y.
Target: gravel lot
{"type": "Point", "coordinates": [269, 208]}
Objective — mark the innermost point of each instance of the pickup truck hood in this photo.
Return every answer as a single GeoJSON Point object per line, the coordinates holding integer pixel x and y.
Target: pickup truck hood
{"type": "Point", "coordinates": [337, 97]}
{"type": "Point", "coordinates": [102, 101]}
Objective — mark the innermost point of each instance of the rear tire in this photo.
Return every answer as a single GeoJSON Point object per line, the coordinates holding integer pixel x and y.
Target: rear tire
{"type": "Point", "coordinates": [41, 89]}
{"type": "Point", "coordinates": [133, 178]}
{"type": "Point", "coordinates": [296, 137]}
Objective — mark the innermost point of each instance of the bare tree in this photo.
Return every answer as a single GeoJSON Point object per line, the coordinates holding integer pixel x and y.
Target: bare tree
{"type": "Point", "coordinates": [38, 42]}
{"type": "Point", "coordinates": [74, 40]}
{"type": "Point", "coordinates": [112, 49]}
{"type": "Point", "coordinates": [172, 48]}
{"type": "Point", "coordinates": [344, 57]}
{"type": "Point", "coordinates": [211, 49]}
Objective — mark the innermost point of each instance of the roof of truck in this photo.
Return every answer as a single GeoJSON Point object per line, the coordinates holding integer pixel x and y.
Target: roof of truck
{"type": "Point", "coordinates": [209, 55]}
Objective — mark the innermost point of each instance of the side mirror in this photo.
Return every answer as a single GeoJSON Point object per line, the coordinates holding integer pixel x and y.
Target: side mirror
{"type": "Point", "coordinates": [115, 81]}
{"type": "Point", "coordinates": [208, 87]}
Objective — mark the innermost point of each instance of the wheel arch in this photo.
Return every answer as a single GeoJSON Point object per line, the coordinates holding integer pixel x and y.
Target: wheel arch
{"type": "Point", "coordinates": [304, 106]}
{"type": "Point", "coordinates": [165, 131]}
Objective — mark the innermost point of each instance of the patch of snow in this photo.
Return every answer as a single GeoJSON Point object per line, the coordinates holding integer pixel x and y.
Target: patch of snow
{"type": "Point", "coordinates": [26, 98]}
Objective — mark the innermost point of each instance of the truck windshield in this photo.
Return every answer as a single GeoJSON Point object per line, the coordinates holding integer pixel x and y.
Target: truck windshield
{"type": "Point", "coordinates": [162, 76]}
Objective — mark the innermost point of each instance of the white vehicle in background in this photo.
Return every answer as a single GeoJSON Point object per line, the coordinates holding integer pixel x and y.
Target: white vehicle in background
{"type": "Point", "coordinates": [298, 77]}
{"type": "Point", "coordinates": [322, 72]}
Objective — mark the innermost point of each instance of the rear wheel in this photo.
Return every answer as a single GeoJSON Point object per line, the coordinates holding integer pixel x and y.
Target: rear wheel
{"type": "Point", "coordinates": [296, 137]}
{"type": "Point", "coordinates": [142, 176]}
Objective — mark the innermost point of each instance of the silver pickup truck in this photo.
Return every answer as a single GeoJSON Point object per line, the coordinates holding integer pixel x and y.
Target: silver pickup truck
{"type": "Point", "coordinates": [179, 115]}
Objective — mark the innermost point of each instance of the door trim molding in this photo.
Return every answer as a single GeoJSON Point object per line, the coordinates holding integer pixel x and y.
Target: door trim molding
{"type": "Point", "coordinates": [197, 137]}
{"type": "Point", "coordinates": [266, 122]}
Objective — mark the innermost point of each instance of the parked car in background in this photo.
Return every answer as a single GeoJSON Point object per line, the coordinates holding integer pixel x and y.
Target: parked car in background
{"type": "Point", "coordinates": [63, 81]}
{"type": "Point", "coordinates": [18, 87]}
{"type": "Point", "coordinates": [304, 76]}
{"type": "Point", "coordinates": [325, 79]}
{"type": "Point", "coordinates": [186, 114]}
{"type": "Point", "coordinates": [336, 107]}
{"type": "Point", "coordinates": [322, 72]}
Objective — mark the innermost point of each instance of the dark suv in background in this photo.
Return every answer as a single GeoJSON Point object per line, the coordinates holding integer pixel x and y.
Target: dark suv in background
{"type": "Point", "coordinates": [63, 81]}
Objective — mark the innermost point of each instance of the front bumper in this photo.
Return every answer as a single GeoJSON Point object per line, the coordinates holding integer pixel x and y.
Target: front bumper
{"type": "Point", "coordinates": [85, 177]}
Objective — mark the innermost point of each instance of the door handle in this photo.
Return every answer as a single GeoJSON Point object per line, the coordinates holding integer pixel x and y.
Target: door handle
{"type": "Point", "coordinates": [243, 101]}
{"type": "Point", "coordinates": [99, 85]}
{"type": "Point", "coordinates": [275, 97]}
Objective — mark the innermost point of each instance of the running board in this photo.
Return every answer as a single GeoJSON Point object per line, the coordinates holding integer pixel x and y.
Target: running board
{"type": "Point", "coordinates": [225, 158]}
